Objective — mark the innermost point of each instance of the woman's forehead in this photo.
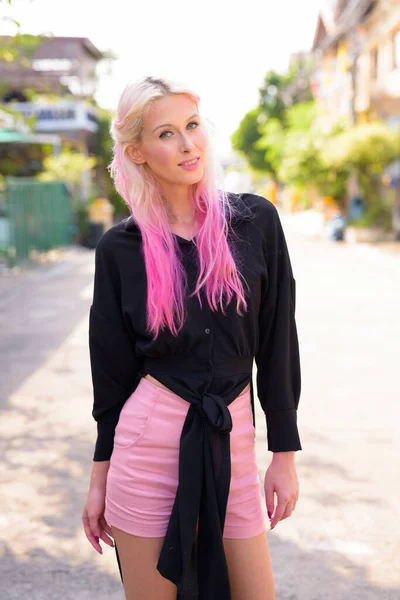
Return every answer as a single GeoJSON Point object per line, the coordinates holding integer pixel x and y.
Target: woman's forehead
{"type": "Point", "coordinates": [170, 108]}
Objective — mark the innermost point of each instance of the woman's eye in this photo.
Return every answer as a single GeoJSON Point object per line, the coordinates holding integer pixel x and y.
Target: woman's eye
{"type": "Point", "coordinates": [167, 137]}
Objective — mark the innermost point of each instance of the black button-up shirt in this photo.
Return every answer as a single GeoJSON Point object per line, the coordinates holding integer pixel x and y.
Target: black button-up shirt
{"type": "Point", "coordinates": [208, 365]}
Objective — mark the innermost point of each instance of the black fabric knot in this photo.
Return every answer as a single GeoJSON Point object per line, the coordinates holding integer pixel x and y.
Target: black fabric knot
{"type": "Point", "coordinates": [214, 409]}
{"type": "Point", "coordinates": [199, 568]}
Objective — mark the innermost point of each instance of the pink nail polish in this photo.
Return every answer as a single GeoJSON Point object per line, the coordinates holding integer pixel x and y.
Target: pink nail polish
{"type": "Point", "coordinates": [269, 514]}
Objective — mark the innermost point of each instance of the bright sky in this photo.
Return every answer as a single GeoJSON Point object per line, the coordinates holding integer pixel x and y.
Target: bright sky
{"type": "Point", "coordinates": [220, 48]}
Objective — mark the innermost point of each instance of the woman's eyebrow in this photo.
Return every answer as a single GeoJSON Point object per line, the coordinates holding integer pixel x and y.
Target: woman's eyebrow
{"type": "Point", "coordinates": [170, 125]}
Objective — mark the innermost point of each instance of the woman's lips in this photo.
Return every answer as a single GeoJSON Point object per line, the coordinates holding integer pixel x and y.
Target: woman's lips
{"type": "Point", "coordinates": [191, 167]}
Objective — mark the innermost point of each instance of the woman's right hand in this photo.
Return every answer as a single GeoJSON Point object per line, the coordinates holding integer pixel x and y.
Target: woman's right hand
{"type": "Point", "coordinates": [95, 526]}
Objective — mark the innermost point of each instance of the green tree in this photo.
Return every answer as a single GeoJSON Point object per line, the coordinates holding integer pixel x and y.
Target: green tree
{"type": "Point", "coordinates": [67, 166]}
{"type": "Point", "coordinates": [259, 137]}
{"type": "Point", "coordinates": [103, 148]}
{"type": "Point", "coordinates": [244, 140]}
{"type": "Point", "coordinates": [302, 167]}
{"type": "Point", "coordinates": [367, 149]}
{"type": "Point", "coordinates": [275, 132]}
{"type": "Point", "coordinates": [271, 102]}
{"type": "Point", "coordinates": [272, 143]}
{"type": "Point", "coordinates": [20, 47]}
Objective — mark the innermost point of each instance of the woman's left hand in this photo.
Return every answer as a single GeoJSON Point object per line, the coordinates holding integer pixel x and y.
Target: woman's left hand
{"type": "Point", "coordinates": [281, 479]}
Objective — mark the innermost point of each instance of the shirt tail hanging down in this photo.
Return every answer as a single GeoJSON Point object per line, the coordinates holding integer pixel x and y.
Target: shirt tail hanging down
{"type": "Point", "coordinates": [199, 568]}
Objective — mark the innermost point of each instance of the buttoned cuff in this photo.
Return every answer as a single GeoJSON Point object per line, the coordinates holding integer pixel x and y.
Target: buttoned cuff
{"type": "Point", "coordinates": [282, 432]}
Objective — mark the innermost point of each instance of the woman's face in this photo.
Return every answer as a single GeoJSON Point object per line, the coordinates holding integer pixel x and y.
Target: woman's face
{"type": "Point", "coordinates": [172, 134]}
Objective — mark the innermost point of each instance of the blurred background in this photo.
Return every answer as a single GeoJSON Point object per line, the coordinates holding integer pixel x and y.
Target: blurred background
{"type": "Point", "coordinates": [304, 103]}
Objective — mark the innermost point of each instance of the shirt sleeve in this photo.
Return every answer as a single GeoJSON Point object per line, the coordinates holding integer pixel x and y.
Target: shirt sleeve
{"type": "Point", "coordinates": [277, 357]}
{"type": "Point", "coordinates": [114, 366]}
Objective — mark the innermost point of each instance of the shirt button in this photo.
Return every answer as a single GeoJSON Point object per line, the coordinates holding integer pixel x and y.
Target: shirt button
{"type": "Point", "coordinates": [207, 331]}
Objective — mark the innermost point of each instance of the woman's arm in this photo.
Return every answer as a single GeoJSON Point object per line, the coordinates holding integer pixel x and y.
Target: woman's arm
{"type": "Point", "coordinates": [278, 371]}
{"type": "Point", "coordinates": [114, 366]}
{"type": "Point", "coordinates": [114, 371]}
{"type": "Point", "coordinates": [278, 359]}
{"type": "Point", "coordinates": [98, 476]}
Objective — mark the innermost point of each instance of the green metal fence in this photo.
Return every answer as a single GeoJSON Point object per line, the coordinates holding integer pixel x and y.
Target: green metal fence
{"type": "Point", "coordinates": [36, 217]}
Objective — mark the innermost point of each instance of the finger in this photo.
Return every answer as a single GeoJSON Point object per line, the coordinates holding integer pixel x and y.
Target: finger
{"type": "Point", "coordinates": [105, 529]}
{"type": "Point", "coordinates": [280, 509]}
{"type": "Point", "coordinates": [95, 525]}
{"type": "Point", "coordinates": [269, 500]}
{"type": "Point", "coordinates": [94, 540]}
{"type": "Point", "coordinates": [106, 526]}
{"type": "Point", "coordinates": [288, 511]}
{"type": "Point", "coordinates": [106, 539]}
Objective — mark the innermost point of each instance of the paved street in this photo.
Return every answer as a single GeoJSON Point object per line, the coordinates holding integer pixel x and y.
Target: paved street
{"type": "Point", "coordinates": [342, 541]}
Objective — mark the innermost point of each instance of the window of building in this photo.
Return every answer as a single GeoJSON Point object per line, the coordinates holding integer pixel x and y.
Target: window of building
{"type": "Point", "coordinates": [374, 63]}
{"type": "Point", "coordinates": [52, 64]}
{"type": "Point", "coordinates": [396, 49]}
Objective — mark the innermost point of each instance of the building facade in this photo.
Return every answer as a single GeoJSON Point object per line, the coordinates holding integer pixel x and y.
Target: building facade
{"type": "Point", "coordinates": [62, 73]}
{"type": "Point", "coordinates": [356, 52]}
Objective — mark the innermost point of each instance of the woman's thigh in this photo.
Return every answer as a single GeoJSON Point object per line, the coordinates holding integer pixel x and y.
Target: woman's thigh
{"type": "Point", "coordinates": [138, 558]}
{"type": "Point", "coordinates": [250, 568]}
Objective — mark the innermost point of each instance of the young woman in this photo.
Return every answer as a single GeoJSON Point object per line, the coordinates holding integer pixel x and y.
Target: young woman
{"type": "Point", "coordinates": [188, 290]}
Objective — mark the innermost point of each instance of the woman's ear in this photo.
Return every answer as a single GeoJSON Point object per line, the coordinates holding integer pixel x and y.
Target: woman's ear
{"type": "Point", "coordinates": [135, 155]}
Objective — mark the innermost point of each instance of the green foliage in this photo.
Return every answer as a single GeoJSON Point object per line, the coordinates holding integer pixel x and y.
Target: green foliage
{"type": "Point", "coordinates": [301, 117]}
{"type": "Point", "coordinates": [260, 135]}
{"type": "Point", "coordinates": [67, 166]}
{"type": "Point", "coordinates": [295, 151]}
{"type": "Point", "coordinates": [273, 143]}
{"type": "Point", "coordinates": [368, 149]}
{"type": "Point", "coordinates": [278, 137]}
{"type": "Point", "coordinates": [20, 48]}
{"type": "Point", "coordinates": [302, 165]}
{"type": "Point", "coordinates": [82, 220]}
{"type": "Point", "coordinates": [377, 214]}
{"type": "Point", "coordinates": [370, 146]}
{"type": "Point", "coordinates": [271, 103]}
{"type": "Point", "coordinates": [20, 122]}
{"type": "Point", "coordinates": [256, 137]}
{"type": "Point", "coordinates": [103, 148]}
{"type": "Point", "coordinates": [244, 140]}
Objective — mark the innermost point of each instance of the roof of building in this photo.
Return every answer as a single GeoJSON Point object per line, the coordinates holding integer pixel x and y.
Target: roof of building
{"type": "Point", "coordinates": [46, 48]}
{"type": "Point", "coordinates": [337, 18]}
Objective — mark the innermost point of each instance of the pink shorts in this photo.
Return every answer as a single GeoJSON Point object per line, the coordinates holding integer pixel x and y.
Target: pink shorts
{"type": "Point", "coordinates": [143, 475]}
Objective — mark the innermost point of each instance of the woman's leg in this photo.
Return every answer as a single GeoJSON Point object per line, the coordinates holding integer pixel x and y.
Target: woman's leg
{"type": "Point", "coordinates": [250, 568]}
{"type": "Point", "coordinates": [138, 557]}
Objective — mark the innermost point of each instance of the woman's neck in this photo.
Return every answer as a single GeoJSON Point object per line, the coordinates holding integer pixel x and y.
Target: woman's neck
{"type": "Point", "coordinates": [179, 206]}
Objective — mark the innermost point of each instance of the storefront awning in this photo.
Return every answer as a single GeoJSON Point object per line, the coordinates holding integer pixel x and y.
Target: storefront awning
{"type": "Point", "coordinates": [10, 136]}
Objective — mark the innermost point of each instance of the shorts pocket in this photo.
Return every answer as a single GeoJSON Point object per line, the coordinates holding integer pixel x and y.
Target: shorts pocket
{"type": "Point", "coordinates": [135, 417]}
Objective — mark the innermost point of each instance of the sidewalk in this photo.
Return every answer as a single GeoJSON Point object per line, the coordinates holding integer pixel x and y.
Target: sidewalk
{"type": "Point", "coordinates": [309, 224]}
{"type": "Point", "coordinates": [341, 541]}
{"type": "Point", "coordinates": [47, 436]}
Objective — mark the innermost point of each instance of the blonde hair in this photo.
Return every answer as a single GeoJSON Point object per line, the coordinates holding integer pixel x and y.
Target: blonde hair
{"type": "Point", "coordinates": [139, 188]}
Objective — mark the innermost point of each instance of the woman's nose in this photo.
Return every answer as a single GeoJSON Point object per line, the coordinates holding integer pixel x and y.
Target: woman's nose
{"type": "Point", "coordinates": [187, 143]}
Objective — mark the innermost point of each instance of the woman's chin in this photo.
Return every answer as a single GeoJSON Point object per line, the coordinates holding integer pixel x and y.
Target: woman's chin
{"type": "Point", "coordinates": [185, 178]}
{"type": "Point", "coordinates": [192, 176]}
